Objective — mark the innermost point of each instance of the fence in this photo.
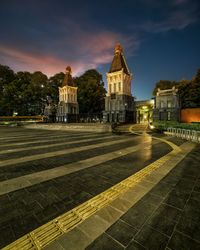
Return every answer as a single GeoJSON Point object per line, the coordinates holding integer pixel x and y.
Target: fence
{"type": "Point", "coordinates": [191, 135]}
{"type": "Point", "coordinates": [37, 118]}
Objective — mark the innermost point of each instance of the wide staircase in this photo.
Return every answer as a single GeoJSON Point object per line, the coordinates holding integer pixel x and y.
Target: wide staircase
{"type": "Point", "coordinates": [140, 127]}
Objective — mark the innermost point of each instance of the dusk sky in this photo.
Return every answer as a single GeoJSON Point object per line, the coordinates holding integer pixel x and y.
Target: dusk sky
{"type": "Point", "coordinates": [161, 39]}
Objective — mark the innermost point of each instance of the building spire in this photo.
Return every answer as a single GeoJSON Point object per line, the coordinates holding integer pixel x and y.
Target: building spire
{"type": "Point", "coordinates": [68, 80]}
{"type": "Point", "coordinates": [118, 48]}
{"type": "Point", "coordinates": [119, 62]}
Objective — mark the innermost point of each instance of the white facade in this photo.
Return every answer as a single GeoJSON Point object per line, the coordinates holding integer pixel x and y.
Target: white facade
{"type": "Point", "coordinates": [119, 83]}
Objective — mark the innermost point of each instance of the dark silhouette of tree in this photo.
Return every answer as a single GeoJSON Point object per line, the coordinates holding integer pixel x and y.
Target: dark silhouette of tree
{"type": "Point", "coordinates": [91, 92]}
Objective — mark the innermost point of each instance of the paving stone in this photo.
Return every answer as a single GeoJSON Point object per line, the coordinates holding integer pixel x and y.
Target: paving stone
{"type": "Point", "coordinates": [122, 232]}
{"type": "Point", "coordinates": [162, 189]}
{"type": "Point", "coordinates": [138, 214]}
{"type": "Point", "coordinates": [6, 235]}
{"type": "Point", "coordinates": [189, 227]}
{"type": "Point", "coordinates": [177, 199]}
{"type": "Point", "coordinates": [151, 239]}
{"type": "Point", "coordinates": [197, 186]}
{"type": "Point", "coordinates": [105, 243]}
{"type": "Point", "coordinates": [181, 241]}
{"type": "Point", "coordinates": [162, 224]}
{"type": "Point", "coordinates": [152, 199]}
{"type": "Point", "coordinates": [36, 205]}
{"type": "Point", "coordinates": [164, 210]}
{"type": "Point", "coordinates": [135, 246]}
{"type": "Point", "coordinates": [191, 210]}
{"type": "Point", "coordinates": [26, 223]}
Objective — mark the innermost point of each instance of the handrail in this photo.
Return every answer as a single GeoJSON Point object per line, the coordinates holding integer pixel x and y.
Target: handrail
{"type": "Point", "coordinates": [191, 135]}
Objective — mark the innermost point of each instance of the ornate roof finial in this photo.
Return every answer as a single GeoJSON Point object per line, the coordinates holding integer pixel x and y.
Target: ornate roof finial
{"type": "Point", "coordinates": [68, 70]}
{"type": "Point", "coordinates": [118, 49]}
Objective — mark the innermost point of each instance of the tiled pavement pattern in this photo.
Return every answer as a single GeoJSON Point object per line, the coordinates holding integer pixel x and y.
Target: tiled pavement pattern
{"type": "Point", "coordinates": [167, 217]}
{"type": "Point", "coordinates": [26, 209]}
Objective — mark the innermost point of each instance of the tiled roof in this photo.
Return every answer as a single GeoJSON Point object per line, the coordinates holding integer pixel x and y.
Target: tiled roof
{"type": "Point", "coordinates": [119, 63]}
{"type": "Point", "coordinates": [68, 80]}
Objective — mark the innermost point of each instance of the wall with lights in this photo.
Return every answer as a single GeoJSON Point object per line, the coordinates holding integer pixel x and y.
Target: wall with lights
{"type": "Point", "coordinates": [190, 115]}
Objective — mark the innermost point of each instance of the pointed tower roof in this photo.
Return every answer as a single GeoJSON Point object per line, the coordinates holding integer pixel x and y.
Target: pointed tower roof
{"type": "Point", "coordinates": [119, 61]}
{"type": "Point", "coordinates": [68, 80]}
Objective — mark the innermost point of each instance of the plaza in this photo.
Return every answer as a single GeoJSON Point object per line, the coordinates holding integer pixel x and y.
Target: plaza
{"type": "Point", "coordinates": [100, 125]}
{"type": "Point", "coordinates": [46, 174]}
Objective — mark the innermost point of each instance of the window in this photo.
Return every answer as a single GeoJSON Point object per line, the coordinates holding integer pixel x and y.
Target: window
{"type": "Point", "coordinates": [162, 104]}
{"type": "Point", "coordinates": [169, 104]}
{"type": "Point", "coordinates": [168, 116]}
{"type": "Point", "coordinates": [119, 86]}
{"type": "Point", "coordinates": [110, 88]}
{"type": "Point", "coordinates": [114, 87]}
{"type": "Point", "coordinates": [113, 96]}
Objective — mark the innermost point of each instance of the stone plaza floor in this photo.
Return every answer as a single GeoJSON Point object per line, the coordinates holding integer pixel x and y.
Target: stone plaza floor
{"type": "Point", "coordinates": [44, 174]}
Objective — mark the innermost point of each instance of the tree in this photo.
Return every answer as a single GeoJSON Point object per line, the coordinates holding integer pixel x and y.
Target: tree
{"type": "Point", "coordinates": [7, 75]}
{"type": "Point", "coordinates": [164, 84]}
{"type": "Point", "coordinates": [91, 92]}
{"type": "Point", "coordinates": [37, 92]}
{"type": "Point", "coordinates": [189, 92]}
{"type": "Point", "coordinates": [16, 98]}
{"type": "Point", "coordinates": [54, 83]}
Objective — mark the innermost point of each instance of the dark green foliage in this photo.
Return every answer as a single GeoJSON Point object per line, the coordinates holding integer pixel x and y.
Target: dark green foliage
{"type": "Point", "coordinates": [27, 93]}
{"type": "Point", "coordinates": [23, 92]}
{"type": "Point", "coordinates": [91, 92]}
{"type": "Point", "coordinates": [164, 84]}
{"type": "Point", "coordinates": [55, 82]}
{"type": "Point", "coordinates": [188, 90]}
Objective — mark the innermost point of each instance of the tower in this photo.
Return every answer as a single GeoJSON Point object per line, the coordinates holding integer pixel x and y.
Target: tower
{"type": "Point", "coordinates": [68, 105]}
{"type": "Point", "coordinates": [119, 103]}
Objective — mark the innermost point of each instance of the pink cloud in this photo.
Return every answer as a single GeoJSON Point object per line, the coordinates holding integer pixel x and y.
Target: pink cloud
{"type": "Point", "coordinates": [85, 50]}
{"type": "Point", "coordinates": [24, 61]}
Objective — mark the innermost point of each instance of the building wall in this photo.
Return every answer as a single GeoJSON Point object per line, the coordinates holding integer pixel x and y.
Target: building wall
{"type": "Point", "coordinates": [119, 103]}
{"type": "Point", "coordinates": [190, 115]}
{"type": "Point", "coordinates": [167, 106]}
{"type": "Point", "coordinates": [119, 82]}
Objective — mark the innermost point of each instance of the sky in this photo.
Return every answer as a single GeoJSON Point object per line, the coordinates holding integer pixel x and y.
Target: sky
{"type": "Point", "coordinates": [160, 39]}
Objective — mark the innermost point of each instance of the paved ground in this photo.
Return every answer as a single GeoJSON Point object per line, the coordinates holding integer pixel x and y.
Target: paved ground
{"type": "Point", "coordinates": [46, 173]}
{"type": "Point", "coordinates": [166, 218]}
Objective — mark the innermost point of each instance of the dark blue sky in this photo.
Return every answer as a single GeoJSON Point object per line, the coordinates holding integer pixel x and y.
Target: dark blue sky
{"type": "Point", "coordinates": [160, 38]}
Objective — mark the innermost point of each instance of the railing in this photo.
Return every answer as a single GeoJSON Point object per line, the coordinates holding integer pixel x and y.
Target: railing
{"type": "Point", "coordinates": [191, 135]}
{"type": "Point", "coordinates": [38, 118]}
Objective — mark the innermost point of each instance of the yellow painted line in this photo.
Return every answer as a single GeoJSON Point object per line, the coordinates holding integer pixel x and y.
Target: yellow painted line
{"type": "Point", "coordinates": [44, 235]}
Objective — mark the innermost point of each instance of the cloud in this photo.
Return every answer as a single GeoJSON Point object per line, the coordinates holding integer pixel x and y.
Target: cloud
{"type": "Point", "coordinates": [82, 51]}
{"type": "Point", "coordinates": [180, 15]}
{"type": "Point", "coordinates": [25, 61]}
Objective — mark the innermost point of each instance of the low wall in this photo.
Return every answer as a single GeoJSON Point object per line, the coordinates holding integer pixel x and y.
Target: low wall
{"type": "Point", "coordinates": [84, 127]}
{"type": "Point", "coordinates": [190, 115]}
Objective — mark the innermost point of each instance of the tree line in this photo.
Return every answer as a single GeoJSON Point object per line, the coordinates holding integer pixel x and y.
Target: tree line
{"type": "Point", "coordinates": [188, 90]}
{"type": "Point", "coordinates": [26, 93]}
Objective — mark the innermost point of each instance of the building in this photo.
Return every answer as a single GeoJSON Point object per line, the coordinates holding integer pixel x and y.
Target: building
{"type": "Point", "coordinates": [119, 103]}
{"type": "Point", "coordinates": [144, 111]}
{"type": "Point", "coordinates": [49, 111]}
{"type": "Point", "coordinates": [167, 105]}
{"type": "Point", "coordinates": [68, 108]}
